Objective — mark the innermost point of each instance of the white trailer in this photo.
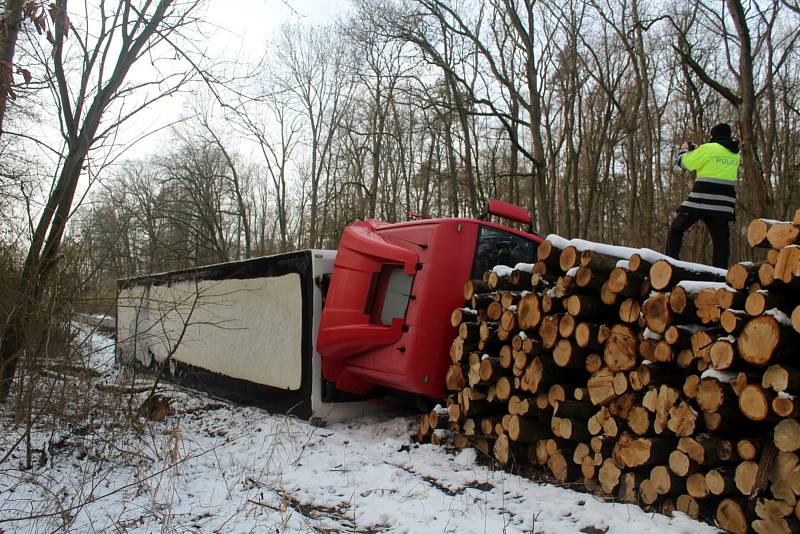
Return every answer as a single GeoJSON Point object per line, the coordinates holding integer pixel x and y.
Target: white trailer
{"type": "Point", "coordinates": [245, 330]}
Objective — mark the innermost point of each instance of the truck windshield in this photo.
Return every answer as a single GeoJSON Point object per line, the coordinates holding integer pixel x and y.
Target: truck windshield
{"type": "Point", "coordinates": [498, 247]}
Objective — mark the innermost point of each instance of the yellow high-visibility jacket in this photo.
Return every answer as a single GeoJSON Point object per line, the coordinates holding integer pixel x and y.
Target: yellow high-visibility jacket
{"type": "Point", "coordinates": [714, 192]}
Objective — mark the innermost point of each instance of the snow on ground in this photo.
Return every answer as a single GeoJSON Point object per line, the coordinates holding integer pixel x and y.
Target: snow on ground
{"type": "Point", "coordinates": [214, 466]}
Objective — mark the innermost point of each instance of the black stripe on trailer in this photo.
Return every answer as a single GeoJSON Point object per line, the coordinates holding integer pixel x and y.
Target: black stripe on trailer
{"type": "Point", "coordinates": [277, 400]}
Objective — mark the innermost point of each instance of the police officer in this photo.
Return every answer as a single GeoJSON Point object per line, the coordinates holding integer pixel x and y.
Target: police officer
{"type": "Point", "coordinates": [713, 196]}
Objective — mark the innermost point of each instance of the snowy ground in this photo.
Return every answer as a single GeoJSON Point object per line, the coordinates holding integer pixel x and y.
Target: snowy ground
{"type": "Point", "coordinates": [212, 466]}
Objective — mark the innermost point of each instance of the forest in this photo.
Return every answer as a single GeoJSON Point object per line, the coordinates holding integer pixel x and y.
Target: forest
{"type": "Point", "coordinates": [144, 136]}
{"type": "Point", "coordinates": [399, 108]}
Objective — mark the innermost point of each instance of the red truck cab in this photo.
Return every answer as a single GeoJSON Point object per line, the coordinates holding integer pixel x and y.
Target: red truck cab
{"type": "Point", "coordinates": [385, 321]}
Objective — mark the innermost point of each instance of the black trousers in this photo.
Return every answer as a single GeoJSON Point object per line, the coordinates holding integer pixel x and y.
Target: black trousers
{"type": "Point", "coordinates": [717, 227]}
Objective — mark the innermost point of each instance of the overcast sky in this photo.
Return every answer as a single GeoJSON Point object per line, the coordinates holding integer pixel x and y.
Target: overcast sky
{"type": "Point", "coordinates": [245, 24]}
{"type": "Point", "coordinates": [240, 30]}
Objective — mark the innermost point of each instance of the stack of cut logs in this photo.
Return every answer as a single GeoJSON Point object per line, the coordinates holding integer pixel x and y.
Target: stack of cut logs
{"type": "Point", "coordinates": [663, 383]}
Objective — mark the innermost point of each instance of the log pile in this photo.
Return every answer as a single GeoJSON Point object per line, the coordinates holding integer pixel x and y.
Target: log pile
{"type": "Point", "coordinates": [663, 383]}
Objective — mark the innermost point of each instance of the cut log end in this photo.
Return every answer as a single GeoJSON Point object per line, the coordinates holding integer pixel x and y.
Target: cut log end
{"type": "Point", "coordinates": [621, 349]}
{"type": "Point", "coordinates": [787, 435]}
{"type": "Point", "coordinates": [754, 402]}
{"type": "Point", "coordinates": [731, 516]}
{"type": "Point", "coordinates": [757, 233]}
{"type": "Point", "coordinates": [758, 340]}
{"type": "Point", "coordinates": [661, 274]}
{"type": "Point", "coordinates": [569, 258]}
{"type": "Point", "coordinates": [738, 275]}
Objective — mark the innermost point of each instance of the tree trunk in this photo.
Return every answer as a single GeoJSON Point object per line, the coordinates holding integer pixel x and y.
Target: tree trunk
{"type": "Point", "coordinates": [9, 30]}
{"type": "Point", "coordinates": [81, 131]}
{"type": "Point", "coordinates": [752, 169]}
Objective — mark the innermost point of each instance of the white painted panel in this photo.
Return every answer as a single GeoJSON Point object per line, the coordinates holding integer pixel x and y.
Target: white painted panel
{"type": "Point", "coordinates": [249, 329]}
{"type": "Point", "coordinates": [134, 328]}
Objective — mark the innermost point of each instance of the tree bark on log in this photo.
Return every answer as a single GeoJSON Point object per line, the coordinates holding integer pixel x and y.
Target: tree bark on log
{"type": "Point", "coordinates": [599, 261]}
{"type": "Point", "coordinates": [664, 274]}
{"type": "Point", "coordinates": [526, 429]}
{"type": "Point", "coordinates": [783, 234]}
{"type": "Point", "coordinates": [706, 450]}
{"type": "Point", "coordinates": [760, 301]}
{"type": "Point", "coordinates": [473, 287]}
{"type": "Point", "coordinates": [587, 307]}
{"type": "Point", "coordinates": [587, 279]}
{"type": "Point", "coordinates": [625, 283]}
{"type": "Point", "coordinates": [571, 429]}
{"type": "Point", "coordinates": [742, 275]}
{"type": "Point", "coordinates": [461, 315]}
{"type": "Point", "coordinates": [681, 303]}
{"type": "Point", "coordinates": [637, 265]}
{"type": "Point", "coordinates": [727, 299]}
{"type": "Point", "coordinates": [470, 331]}
{"type": "Point", "coordinates": [757, 233]}
{"type": "Point", "coordinates": [548, 253]}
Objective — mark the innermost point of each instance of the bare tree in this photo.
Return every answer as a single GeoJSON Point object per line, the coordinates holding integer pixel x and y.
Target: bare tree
{"type": "Point", "coordinates": [15, 13]}
{"type": "Point", "coordinates": [107, 45]}
{"type": "Point", "coordinates": [377, 65]}
{"type": "Point", "coordinates": [572, 109]}
{"type": "Point", "coordinates": [517, 46]}
{"type": "Point", "coordinates": [314, 63]}
{"type": "Point", "coordinates": [271, 123]}
{"type": "Point", "coordinates": [236, 179]}
{"type": "Point", "coordinates": [742, 49]}
{"type": "Point", "coordinates": [200, 204]}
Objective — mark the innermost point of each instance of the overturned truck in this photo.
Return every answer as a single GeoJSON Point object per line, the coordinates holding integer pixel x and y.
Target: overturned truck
{"type": "Point", "coordinates": [313, 332]}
